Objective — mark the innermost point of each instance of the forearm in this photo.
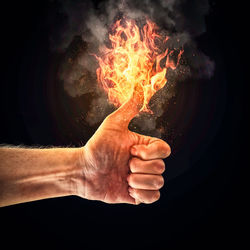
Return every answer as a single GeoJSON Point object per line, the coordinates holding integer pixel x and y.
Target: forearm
{"type": "Point", "coordinates": [34, 174]}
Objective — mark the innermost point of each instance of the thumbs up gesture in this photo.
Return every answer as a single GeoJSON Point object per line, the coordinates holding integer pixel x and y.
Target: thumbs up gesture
{"type": "Point", "coordinates": [120, 166]}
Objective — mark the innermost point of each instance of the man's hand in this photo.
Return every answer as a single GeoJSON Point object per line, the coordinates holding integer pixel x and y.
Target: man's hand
{"type": "Point", "coordinates": [120, 166]}
{"type": "Point", "coordinates": [115, 166]}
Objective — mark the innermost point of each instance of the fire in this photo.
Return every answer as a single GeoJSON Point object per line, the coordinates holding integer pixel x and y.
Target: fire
{"type": "Point", "coordinates": [134, 62]}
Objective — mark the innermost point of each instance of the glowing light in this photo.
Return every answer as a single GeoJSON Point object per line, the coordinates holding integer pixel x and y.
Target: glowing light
{"type": "Point", "coordinates": [134, 62]}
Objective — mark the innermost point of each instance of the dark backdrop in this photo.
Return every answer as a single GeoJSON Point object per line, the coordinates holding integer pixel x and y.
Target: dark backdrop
{"type": "Point", "coordinates": [202, 204]}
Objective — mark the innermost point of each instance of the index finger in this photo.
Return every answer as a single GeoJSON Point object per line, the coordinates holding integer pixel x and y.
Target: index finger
{"type": "Point", "coordinates": [158, 149]}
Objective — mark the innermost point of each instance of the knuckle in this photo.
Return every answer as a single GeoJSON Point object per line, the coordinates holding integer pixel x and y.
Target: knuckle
{"type": "Point", "coordinates": [162, 181]}
{"type": "Point", "coordinates": [160, 167]}
{"type": "Point", "coordinates": [143, 154]}
{"type": "Point", "coordinates": [154, 197]}
{"type": "Point", "coordinates": [169, 150]}
{"type": "Point", "coordinates": [132, 164]}
{"type": "Point", "coordinates": [135, 165]}
{"type": "Point", "coordinates": [159, 182]}
{"type": "Point", "coordinates": [131, 180]}
{"type": "Point", "coordinates": [157, 196]}
{"type": "Point", "coordinates": [128, 178]}
{"type": "Point", "coordinates": [166, 150]}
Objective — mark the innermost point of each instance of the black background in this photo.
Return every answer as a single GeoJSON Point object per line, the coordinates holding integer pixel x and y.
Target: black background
{"type": "Point", "coordinates": [202, 206]}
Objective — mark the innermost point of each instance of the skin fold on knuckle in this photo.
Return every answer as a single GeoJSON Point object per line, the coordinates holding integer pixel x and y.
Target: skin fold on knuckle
{"type": "Point", "coordinates": [137, 197]}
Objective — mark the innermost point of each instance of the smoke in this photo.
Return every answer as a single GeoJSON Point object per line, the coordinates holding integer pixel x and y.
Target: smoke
{"type": "Point", "coordinates": [80, 28]}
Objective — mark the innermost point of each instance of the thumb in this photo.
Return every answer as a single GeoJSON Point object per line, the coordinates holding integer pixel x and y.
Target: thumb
{"type": "Point", "coordinates": [124, 114]}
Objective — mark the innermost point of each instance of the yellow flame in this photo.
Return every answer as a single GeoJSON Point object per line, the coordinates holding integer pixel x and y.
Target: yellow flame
{"type": "Point", "coordinates": [133, 63]}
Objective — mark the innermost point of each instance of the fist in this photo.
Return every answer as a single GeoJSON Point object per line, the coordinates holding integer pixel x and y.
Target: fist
{"type": "Point", "coordinates": [146, 169]}
{"type": "Point", "coordinates": [120, 166]}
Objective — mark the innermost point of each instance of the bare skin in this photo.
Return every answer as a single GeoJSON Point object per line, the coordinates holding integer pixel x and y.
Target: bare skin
{"type": "Point", "coordinates": [115, 166]}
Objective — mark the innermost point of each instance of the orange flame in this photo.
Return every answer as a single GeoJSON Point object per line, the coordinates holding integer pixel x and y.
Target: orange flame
{"type": "Point", "coordinates": [133, 63]}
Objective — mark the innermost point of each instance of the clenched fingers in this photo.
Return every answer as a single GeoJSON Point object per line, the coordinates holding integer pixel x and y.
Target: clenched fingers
{"type": "Point", "coordinates": [145, 181]}
{"type": "Point", "coordinates": [137, 165]}
{"type": "Point", "coordinates": [145, 196]}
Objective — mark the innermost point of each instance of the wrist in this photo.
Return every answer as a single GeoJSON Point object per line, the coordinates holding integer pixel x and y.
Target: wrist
{"type": "Point", "coordinates": [76, 173]}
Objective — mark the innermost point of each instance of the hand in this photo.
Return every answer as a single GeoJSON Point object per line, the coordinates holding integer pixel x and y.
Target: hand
{"type": "Point", "coordinates": [120, 166]}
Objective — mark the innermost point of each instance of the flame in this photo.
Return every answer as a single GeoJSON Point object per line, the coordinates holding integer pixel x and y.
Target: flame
{"type": "Point", "coordinates": [133, 62]}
